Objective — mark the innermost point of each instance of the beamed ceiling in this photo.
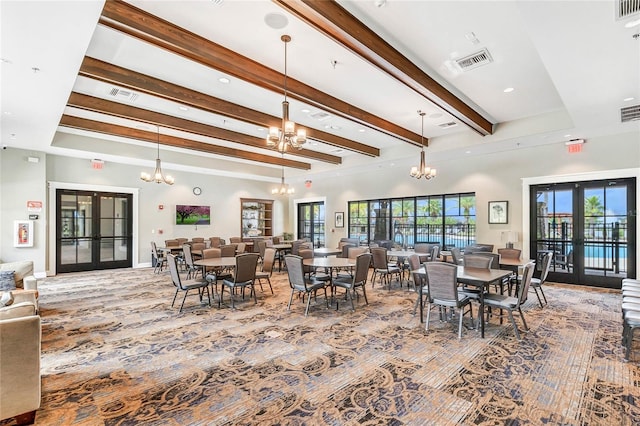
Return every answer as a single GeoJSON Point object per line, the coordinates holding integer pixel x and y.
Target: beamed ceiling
{"type": "Point", "coordinates": [147, 72]}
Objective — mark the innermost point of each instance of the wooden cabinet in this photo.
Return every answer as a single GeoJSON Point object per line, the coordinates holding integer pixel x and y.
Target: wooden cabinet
{"type": "Point", "coordinates": [256, 218]}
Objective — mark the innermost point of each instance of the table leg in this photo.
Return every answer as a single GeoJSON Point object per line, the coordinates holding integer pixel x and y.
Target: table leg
{"type": "Point", "coordinates": [482, 312]}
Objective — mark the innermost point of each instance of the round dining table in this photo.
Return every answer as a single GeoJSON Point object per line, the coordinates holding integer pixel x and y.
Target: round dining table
{"type": "Point", "coordinates": [216, 262]}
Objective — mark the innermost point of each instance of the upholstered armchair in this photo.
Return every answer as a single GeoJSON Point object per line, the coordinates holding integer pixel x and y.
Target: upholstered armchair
{"type": "Point", "coordinates": [20, 338]}
{"type": "Point", "coordinates": [26, 285]}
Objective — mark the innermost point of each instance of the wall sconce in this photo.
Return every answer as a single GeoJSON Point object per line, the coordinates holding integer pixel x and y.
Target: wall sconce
{"type": "Point", "coordinates": [509, 237]}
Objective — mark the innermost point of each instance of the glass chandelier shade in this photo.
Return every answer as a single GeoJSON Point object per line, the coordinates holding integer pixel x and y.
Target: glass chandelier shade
{"type": "Point", "coordinates": [284, 188]}
{"type": "Point", "coordinates": [422, 171]}
{"type": "Point", "coordinates": [287, 136]}
{"type": "Point", "coordinates": [157, 176]}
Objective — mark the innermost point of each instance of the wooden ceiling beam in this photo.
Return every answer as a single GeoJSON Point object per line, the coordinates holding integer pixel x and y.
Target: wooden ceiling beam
{"type": "Point", "coordinates": [331, 19]}
{"type": "Point", "coordinates": [103, 106]}
{"type": "Point", "coordinates": [113, 74]}
{"type": "Point", "coordinates": [174, 141]}
{"type": "Point", "coordinates": [137, 23]}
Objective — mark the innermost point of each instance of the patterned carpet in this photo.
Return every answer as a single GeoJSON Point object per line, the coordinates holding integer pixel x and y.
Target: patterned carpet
{"type": "Point", "coordinates": [114, 352]}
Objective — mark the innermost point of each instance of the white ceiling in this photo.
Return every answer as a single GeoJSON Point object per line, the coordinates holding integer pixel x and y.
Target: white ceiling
{"type": "Point", "coordinates": [571, 65]}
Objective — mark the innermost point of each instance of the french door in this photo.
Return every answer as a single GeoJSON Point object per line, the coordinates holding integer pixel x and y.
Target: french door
{"type": "Point", "coordinates": [311, 222]}
{"type": "Point", "coordinates": [589, 227]}
{"type": "Point", "coordinates": [93, 230]}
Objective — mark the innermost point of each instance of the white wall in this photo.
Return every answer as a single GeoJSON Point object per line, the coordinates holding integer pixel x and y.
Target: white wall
{"type": "Point", "coordinates": [492, 177]}
{"type": "Point", "coordinates": [22, 181]}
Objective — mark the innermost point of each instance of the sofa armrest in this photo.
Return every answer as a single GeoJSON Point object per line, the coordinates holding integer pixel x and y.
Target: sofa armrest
{"type": "Point", "coordinates": [20, 368]}
{"type": "Point", "coordinates": [30, 283]}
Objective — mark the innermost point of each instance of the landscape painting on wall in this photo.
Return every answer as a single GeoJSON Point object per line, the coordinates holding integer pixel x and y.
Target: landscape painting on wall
{"type": "Point", "coordinates": [193, 215]}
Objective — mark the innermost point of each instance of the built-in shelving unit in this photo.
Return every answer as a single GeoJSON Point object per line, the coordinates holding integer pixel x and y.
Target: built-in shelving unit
{"type": "Point", "coordinates": [256, 218]}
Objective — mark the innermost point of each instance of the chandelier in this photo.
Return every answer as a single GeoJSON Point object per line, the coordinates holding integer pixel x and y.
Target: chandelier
{"type": "Point", "coordinates": [284, 188]}
{"type": "Point", "coordinates": [423, 170]}
{"type": "Point", "coordinates": [281, 139]}
{"type": "Point", "coordinates": [158, 176]}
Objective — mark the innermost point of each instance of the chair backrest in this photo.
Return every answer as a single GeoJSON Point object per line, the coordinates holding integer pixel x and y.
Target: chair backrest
{"type": "Point", "coordinates": [235, 240]}
{"type": "Point", "coordinates": [306, 253]}
{"type": "Point", "coordinates": [188, 258]}
{"type": "Point", "coordinates": [509, 253]}
{"type": "Point", "coordinates": [474, 248]}
{"type": "Point", "coordinates": [442, 281]}
{"type": "Point", "coordinates": [523, 288]}
{"type": "Point", "coordinates": [268, 258]}
{"type": "Point", "coordinates": [211, 253]}
{"type": "Point", "coordinates": [215, 242]}
{"type": "Point", "coordinates": [262, 245]}
{"type": "Point", "coordinates": [198, 246]}
{"type": "Point", "coordinates": [363, 261]}
{"type": "Point", "coordinates": [228, 250]}
{"type": "Point", "coordinates": [171, 243]}
{"type": "Point", "coordinates": [379, 257]}
{"type": "Point", "coordinates": [154, 249]}
{"type": "Point", "coordinates": [181, 241]}
{"type": "Point", "coordinates": [546, 265]}
{"type": "Point", "coordinates": [414, 262]}
{"type": "Point", "coordinates": [374, 245]}
{"type": "Point", "coordinates": [495, 258]}
{"type": "Point", "coordinates": [456, 256]}
{"type": "Point", "coordinates": [477, 261]}
{"type": "Point", "coordinates": [354, 252]}
{"type": "Point", "coordinates": [295, 246]}
{"type": "Point", "coordinates": [435, 253]}
{"type": "Point", "coordinates": [295, 271]}
{"type": "Point", "coordinates": [246, 265]}
{"type": "Point", "coordinates": [173, 268]}
{"type": "Point", "coordinates": [345, 249]}
{"type": "Point", "coordinates": [241, 247]}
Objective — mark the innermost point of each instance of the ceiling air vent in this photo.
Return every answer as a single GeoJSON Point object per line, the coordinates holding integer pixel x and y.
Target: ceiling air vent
{"type": "Point", "coordinates": [475, 60]}
{"type": "Point", "coordinates": [631, 113]}
{"type": "Point", "coordinates": [320, 116]}
{"type": "Point", "coordinates": [124, 95]}
{"type": "Point", "coordinates": [448, 125]}
{"type": "Point", "coordinates": [626, 8]}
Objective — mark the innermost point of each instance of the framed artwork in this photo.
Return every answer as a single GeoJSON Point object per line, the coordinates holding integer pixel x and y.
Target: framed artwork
{"type": "Point", "coordinates": [498, 211]}
{"type": "Point", "coordinates": [23, 233]}
{"type": "Point", "coordinates": [339, 219]}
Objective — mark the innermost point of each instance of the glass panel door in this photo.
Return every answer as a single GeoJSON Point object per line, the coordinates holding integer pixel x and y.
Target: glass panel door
{"type": "Point", "coordinates": [93, 231]}
{"type": "Point", "coordinates": [311, 222]}
{"type": "Point", "coordinates": [589, 228]}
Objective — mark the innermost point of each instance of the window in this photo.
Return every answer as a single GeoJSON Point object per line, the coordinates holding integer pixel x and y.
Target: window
{"type": "Point", "coordinates": [449, 220]}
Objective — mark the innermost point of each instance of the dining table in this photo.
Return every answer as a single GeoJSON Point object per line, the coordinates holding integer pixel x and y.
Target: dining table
{"type": "Point", "coordinates": [330, 263]}
{"type": "Point", "coordinates": [476, 277]}
{"type": "Point", "coordinates": [326, 251]}
{"type": "Point", "coordinates": [281, 250]}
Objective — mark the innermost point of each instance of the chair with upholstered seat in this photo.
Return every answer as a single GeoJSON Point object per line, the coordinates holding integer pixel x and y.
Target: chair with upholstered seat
{"type": "Point", "coordinates": [181, 241]}
{"type": "Point", "coordinates": [228, 250]}
{"type": "Point", "coordinates": [307, 287]}
{"type": "Point", "coordinates": [244, 276]}
{"type": "Point", "coordinates": [235, 240]}
{"type": "Point", "coordinates": [382, 269]}
{"type": "Point", "coordinates": [419, 283]}
{"type": "Point", "coordinates": [442, 285]}
{"type": "Point", "coordinates": [185, 286]}
{"type": "Point", "coordinates": [268, 259]}
{"type": "Point", "coordinates": [359, 279]}
{"type": "Point", "coordinates": [509, 253]}
{"type": "Point", "coordinates": [537, 283]}
{"type": "Point", "coordinates": [214, 242]}
{"type": "Point", "coordinates": [160, 258]}
{"type": "Point", "coordinates": [512, 303]}
{"type": "Point", "coordinates": [192, 270]}
{"type": "Point", "coordinates": [197, 240]}
{"type": "Point", "coordinates": [456, 256]}
{"type": "Point", "coordinates": [241, 248]}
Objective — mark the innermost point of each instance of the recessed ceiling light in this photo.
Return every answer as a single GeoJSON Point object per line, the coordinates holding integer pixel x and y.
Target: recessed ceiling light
{"type": "Point", "coordinates": [467, 152]}
{"type": "Point", "coordinates": [7, 113]}
{"type": "Point", "coordinates": [567, 135]}
{"type": "Point", "coordinates": [332, 127]}
{"type": "Point", "coordinates": [261, 129]}
{"type": "Point", "coordinates": [306, 110]}
{"type": "Point", "coordinates": [6, 61]}
{"type": "Point", "coordinates": [276, 21]}
{"type": "Point", "coordinates": [362, 130]}
{"type": "Point", "coordinates": [224, 80]}
{"type": "Point", "coordinates": [183, 108]}
{"type": "Point", "coordinates": [508, 90]}
{"type": "Point", "coordinates": [628, 99]}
